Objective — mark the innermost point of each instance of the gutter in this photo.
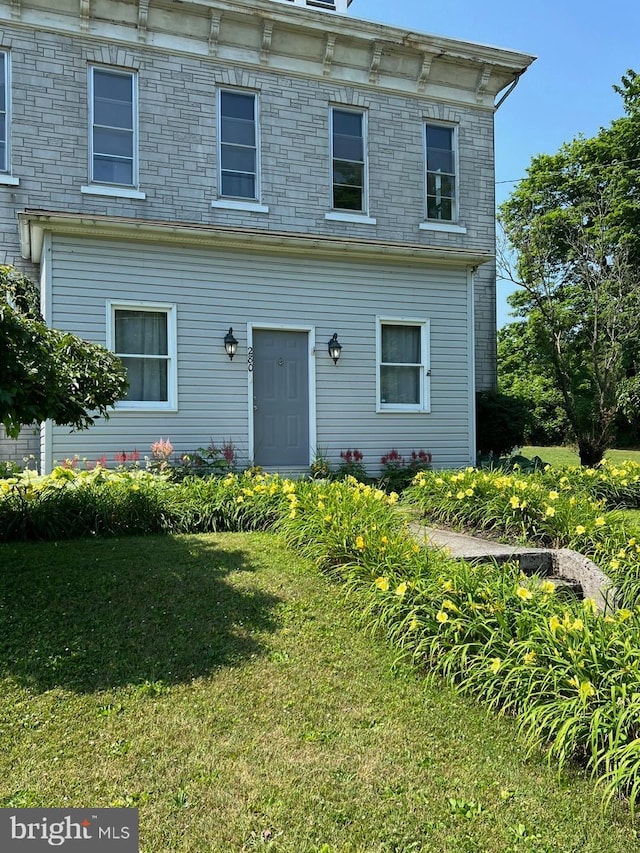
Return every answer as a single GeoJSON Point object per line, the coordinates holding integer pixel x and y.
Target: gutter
{"type": "Point", "coordinates": [33, 224]}
{"type": "Point", "coordinates": [513, 85]}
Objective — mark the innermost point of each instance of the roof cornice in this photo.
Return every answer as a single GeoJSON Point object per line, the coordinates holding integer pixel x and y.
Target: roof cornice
{"type": "Point", "coordinates": [34, 224]}
{"type": "Point", "coordinates": [289, 39]}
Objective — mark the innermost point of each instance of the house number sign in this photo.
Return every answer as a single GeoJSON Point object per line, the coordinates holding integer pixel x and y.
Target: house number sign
{"type": "Point", "coordinates": [250, 359]}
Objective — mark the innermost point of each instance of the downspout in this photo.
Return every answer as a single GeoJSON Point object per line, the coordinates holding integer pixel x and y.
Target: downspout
{"type": "Point", "coordinates": [509, 90]}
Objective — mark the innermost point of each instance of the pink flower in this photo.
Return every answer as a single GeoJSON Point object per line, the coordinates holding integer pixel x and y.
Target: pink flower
{"type": "Point", "coordinates": [162, 449]}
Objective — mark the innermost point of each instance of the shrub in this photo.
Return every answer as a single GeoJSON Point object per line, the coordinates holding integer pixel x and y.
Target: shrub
{"type": "Point", "coordinates": [500, 423]}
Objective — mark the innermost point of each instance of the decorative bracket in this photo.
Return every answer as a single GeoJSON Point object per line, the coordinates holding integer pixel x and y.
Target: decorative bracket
{"type": "Point", "coordinates": [16, 9]}
{"type": "Point", "coordinates": [143, 16]}
{"type": "Point", "coordinates": [214, 32]}
{"type": "Point", "coordinates": [425, 71]}
{"type": "Point", "coordinates": [267, 34]}
{"type": "Point", "coordinates": [483, 79]}
{"type": "Point", "coordinates": [329, 47]}
{"type": "Point", "coordinates": [85, 10]}
{"type": "Point", "coordinates": [374, 65]}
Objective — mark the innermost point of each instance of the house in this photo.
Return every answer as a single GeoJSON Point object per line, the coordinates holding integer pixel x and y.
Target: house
{"type": "Point", "coordinates": [280, 217]}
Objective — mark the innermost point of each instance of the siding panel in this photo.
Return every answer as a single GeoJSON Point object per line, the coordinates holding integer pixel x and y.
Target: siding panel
{"type": "Point", "coordinates": [214, 289]}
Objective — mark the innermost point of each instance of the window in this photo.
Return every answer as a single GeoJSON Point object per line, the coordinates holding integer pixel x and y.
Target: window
{"type": "Point", "coordinates": [113, 140]}
{"type": "Point", "coordinates": [238, 145]}
{"type": "Point", "coordinates": [441, 173]}
{"type": "Point", "coordinates": [144, 339]}
{"type": "Point", "coordinates": [4, 111]}
{"type": "Point", "coordinates": [403, 357]}
{"type": "Point", "coordinates": [348, 160]}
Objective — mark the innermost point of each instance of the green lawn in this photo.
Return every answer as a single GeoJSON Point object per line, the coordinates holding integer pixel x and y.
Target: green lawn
{"type": "Point", "coordinates": [562, 456]}
{"type": "Point", "coordinates": [218, 683]}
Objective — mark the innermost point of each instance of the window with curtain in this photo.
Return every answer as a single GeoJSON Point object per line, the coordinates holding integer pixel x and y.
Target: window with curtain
{"type": "Point", "coordinates": [141, 340]}
{"type": "Point", "coordinates": [238, 145]}
{"type": "Point", "coordinates": [403, 365]}
{"type": "Point", "coordinates": [348, 158]}
{"type": "Point", "coordinates": [441, 172]}
{"type": "Point", "coordinates": [113, 127]}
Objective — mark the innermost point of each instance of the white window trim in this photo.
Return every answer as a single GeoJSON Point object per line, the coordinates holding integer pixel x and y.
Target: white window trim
{"type": "Point", "coordinates": [100, 185]}
{"type": "Point", "coordinates": [439, 225]}
{"type": "Point", "coordinates": [170, 405]}
{"type": "Point", "coordinates": [234, 204]}
{"type": "Point", "coordinates": [424, 406]}
{"type": "Point", "coordinates": [255, 203]}
{"type": "Point", "coordinates": [455, 213]}
{"type": "Point", "coordinates": [357, 218]}
{"type": "Point", "coordinates": [363, 214]}
{"type": "Point", "coordinates": [5, 174]}
{"type": "Point", "coordinates": [112, 191]}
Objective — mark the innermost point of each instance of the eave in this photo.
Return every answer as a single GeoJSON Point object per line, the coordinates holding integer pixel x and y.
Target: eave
{"type": "Point", "coordinates": [291, 40]}
{"type": "Point", "coordinates": [34, 224]}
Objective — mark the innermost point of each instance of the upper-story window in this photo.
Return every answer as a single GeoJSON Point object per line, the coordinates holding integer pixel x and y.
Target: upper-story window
{"type": "Point", "coordinates": [348, 129]}
{"type": "Point", "coordinates": [441, 172]}
{"type": "Point", "coordinates": [238, 145]}
{"type": "Point", "coordinates": [4, 111]}
{"type": "Point", "coordinates": [113, 136]}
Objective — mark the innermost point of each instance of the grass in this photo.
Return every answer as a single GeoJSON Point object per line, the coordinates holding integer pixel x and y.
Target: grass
{"type": "Point", "coordinates": [218, 683]}
{"type": "Point", "coordinates": [563, 456]}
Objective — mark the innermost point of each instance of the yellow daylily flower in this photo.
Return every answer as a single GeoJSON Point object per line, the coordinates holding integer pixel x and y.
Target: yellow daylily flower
{"type": "Point", "coordinates": [382, 583]}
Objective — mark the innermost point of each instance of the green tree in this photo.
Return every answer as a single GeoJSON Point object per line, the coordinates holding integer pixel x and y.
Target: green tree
{"type": "Point", "coordinates": [574, 224]}
{"type": "Point", "coordinates": [49, 374]}
{"type": "Point", "coordinates": [524, 373]}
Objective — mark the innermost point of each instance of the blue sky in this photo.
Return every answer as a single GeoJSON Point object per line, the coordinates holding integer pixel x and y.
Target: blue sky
{"type": "Point", "coordinates": [583, 48]}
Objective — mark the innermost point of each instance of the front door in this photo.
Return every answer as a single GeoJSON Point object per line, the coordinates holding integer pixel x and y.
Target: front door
{"type": "Point", "coordinates": [280, 398]}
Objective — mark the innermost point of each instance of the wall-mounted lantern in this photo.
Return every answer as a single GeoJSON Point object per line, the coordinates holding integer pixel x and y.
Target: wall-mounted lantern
{"type": "Point", "coordinates": [335, 348]}
{"type": "Point", "coordinates": [230, 344]}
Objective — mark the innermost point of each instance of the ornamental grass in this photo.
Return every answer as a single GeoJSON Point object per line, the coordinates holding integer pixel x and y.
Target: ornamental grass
{"type": "Point", "coordinates": [570, 674]}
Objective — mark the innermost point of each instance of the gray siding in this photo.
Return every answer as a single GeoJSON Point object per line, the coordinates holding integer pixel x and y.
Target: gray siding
{"type": "Point", "coordinates": [214, 289]}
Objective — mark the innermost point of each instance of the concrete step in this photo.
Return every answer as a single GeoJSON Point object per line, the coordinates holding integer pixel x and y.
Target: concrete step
{"type": "Point", "coordinates": [574, 574]}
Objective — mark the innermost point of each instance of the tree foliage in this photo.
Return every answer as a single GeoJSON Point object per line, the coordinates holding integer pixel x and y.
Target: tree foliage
{"type": "Point", "coordinates": [574, 223]}
{"type": "Point", "coordinates": [46, 373]}
{"type": "Point", "coordinates": [524, 373]}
